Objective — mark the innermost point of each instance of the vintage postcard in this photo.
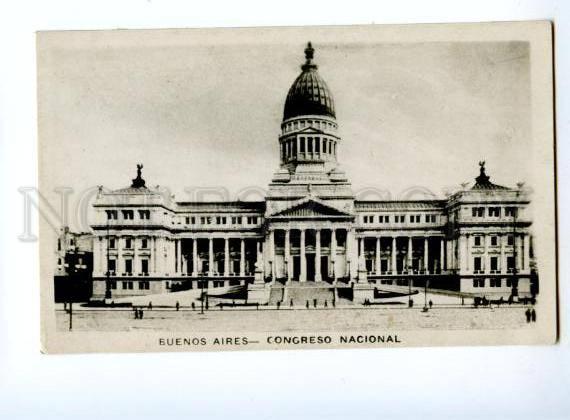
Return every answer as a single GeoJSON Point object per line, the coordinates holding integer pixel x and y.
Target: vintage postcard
{"type": "Point", "coordinates": [301, 187]}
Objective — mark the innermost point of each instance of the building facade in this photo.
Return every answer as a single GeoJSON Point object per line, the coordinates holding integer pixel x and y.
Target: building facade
{"type": "Point", "coordinates": [310, 231]}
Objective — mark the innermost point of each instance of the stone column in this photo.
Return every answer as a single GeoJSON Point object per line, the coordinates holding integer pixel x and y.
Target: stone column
{"type": "Point", "coordinates": [318, 275]}
{"type": "Point", "coordinates": [226, 257]}
{"type": "Point", "coordinates": [393, 255]}
{"type": "Point", "coordinates": [502, 261]}
{"type": "Point", "coordinates": [526, 254]}
{"type": "Point", "coordinates": [136, 266]}
{"type": "Point", "coordinates": [210, 256]}
{"type": "Point", "coordinates": [441, 254]}
{"type": "Point", "coordinates": [333, 254]}
{"type": "Point", "coordinates": [288, 262]}
{"type": "Point", "coordinates": [273, 262]}
{"type": "Point", "coordinates": [426, 254]}
{"type": "Point", "coordinates": [152, 257]}
{"type": "Point", "coordinates": [351, 254]}
{"type": "Point", "coordinates": [242, 257]}
{"type": "Point", "coordinates": [467, 256]}
{"type": "Point", "coordinates": [120, 266]}
{"type": "Point", "coordinates": [377, 261]}
{"type": "Point", "coordinates": [195, 257]}
{"type": "Point", "coordinates": [519, 244]}
{"type": "Point", "coordinates": [410, 252]}
{"type": "Point", "coordinates": [178, 255]}
{"type": "Point", "coordinates": [303, 276]}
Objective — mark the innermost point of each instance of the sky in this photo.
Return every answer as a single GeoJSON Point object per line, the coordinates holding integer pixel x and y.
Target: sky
{"type": "Point", "coordinates": [200, 114]}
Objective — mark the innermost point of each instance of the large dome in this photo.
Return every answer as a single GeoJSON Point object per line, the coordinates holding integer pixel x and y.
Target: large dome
{"type": "Point", "coordinates": [309, 94]}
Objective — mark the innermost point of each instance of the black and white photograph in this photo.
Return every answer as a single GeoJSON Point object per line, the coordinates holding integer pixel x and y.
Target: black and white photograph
{"type": "Point", "coordinates": [297, 187]}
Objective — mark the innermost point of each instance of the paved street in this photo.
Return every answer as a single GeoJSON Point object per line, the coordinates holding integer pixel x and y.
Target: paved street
{"type": "Point", "coordinates": [300, 320]}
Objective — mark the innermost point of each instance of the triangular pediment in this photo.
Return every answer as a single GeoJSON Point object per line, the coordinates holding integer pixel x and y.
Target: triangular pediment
{"type": "Point", "coordinates": [310, 207]}
{"type": "Point", "coordinates": [311, 130]}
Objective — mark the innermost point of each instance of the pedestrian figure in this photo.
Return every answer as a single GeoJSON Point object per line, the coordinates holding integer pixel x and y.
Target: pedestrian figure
{"type": "Point", "coordinates": [233, 303]}
{"type": "Point", "coordinates": [150, 306]}
{"type": "Point", "coordinates": [307, 305]}
{"type": "Point", "coordinates": [193, 306]}
{"type": "Point", "coordinates": [136, 313]}
{"type": "Point", "coordinates": [112, 304]}
{"type": "Point", "coordinates": [533, 315]}
{"type": "Point", "coordinates": [291, 302]}
{"type": "Point", "coordinates": [278, 304]}
{"type": "Point", "coordinates": [326, 304]}
{"type": "Point", "coordinates": [462, 301]}
{"type": "Point", "coordinates": [141, 314]}
{"type": "Point", "coordinates": [177, 305]}
{"type": "Point", "coordinates": [257, 305]}
{"type": "Point", "coordinates": [528, 315]}
{"type": "Point", "coordinates": [315, 303]}
{"type": "Point", "coordinates": [430, 303]}
{"type": "Point", "coordinates": [334, 303]}
{"type": "Point", "coordinates": [65, 306]}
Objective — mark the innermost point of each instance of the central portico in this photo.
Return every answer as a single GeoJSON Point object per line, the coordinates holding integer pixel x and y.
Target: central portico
{"type": "Point", "coordinates": [310, 204]}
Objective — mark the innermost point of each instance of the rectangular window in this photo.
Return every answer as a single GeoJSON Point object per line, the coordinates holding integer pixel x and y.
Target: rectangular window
{"type": "Point", "coordinates": [112, 265]}
{"type": "Point", "coordinates": [477, 241]}
{"type": "Point", "coordinates": [478, 211]}
{"type": "Point", "coordinates": [430, 218]}
{"type": "Point", "coordinates": [477, 263]}
{"type": "Point", "coordinates": [302, 145]}
{"type": "Point", "coordinates": [510, 263]}
{"type": "Point", "coordinates": [112, 243]}
{"type": "Point", "coordinates": [128, 243]}
{"type": "Point", "coordinates": [510, 211]}
{"type": "Point", "coordinates": [494, 211]}
{"type": "Point", "coordinates": [112, 214]}
{"type": "Point", "coordinates": [510, 240]}
{"type": "Point", "coordinates": [113, 284]}
{"type": "Point", "coordinates": [386, 219]}
{"type": "Point", "coordinates": [144, 243]}
{"type": "Point", "coordinates": [144, 285]}
{"type": "Point", "coordinates": [310, 145]}
{"type": "Point", "coordinates": [494, 240]}
{"type": "Point", "coordinates": [144, 214]}
{"type": "Point", "coordinates": [144, 266]}
{"type": "Point", "coordinates": [494, 263]}
{"type": "Point", "coordinates": [187, 220]}
{"type": "Point", "coordinates": [129, 266]}
{"type": "Point", "coordinates": [317, 145]}
{"type": "Point", "coordinates": [495, 282]}
{"type": "Point", "coordinates": [128, 214]}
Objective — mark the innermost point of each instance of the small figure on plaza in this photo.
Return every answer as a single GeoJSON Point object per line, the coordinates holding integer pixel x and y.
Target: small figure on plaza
{"type": "Point", "coordinates": [528, 315]}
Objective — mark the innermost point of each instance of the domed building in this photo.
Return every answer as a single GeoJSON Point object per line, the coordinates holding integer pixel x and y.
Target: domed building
{"type": "Point", "coordinates": [310, 239]}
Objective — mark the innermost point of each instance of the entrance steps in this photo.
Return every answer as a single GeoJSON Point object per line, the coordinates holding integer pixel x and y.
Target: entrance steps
{"type": "Point", "coordinates": [300, 295]}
